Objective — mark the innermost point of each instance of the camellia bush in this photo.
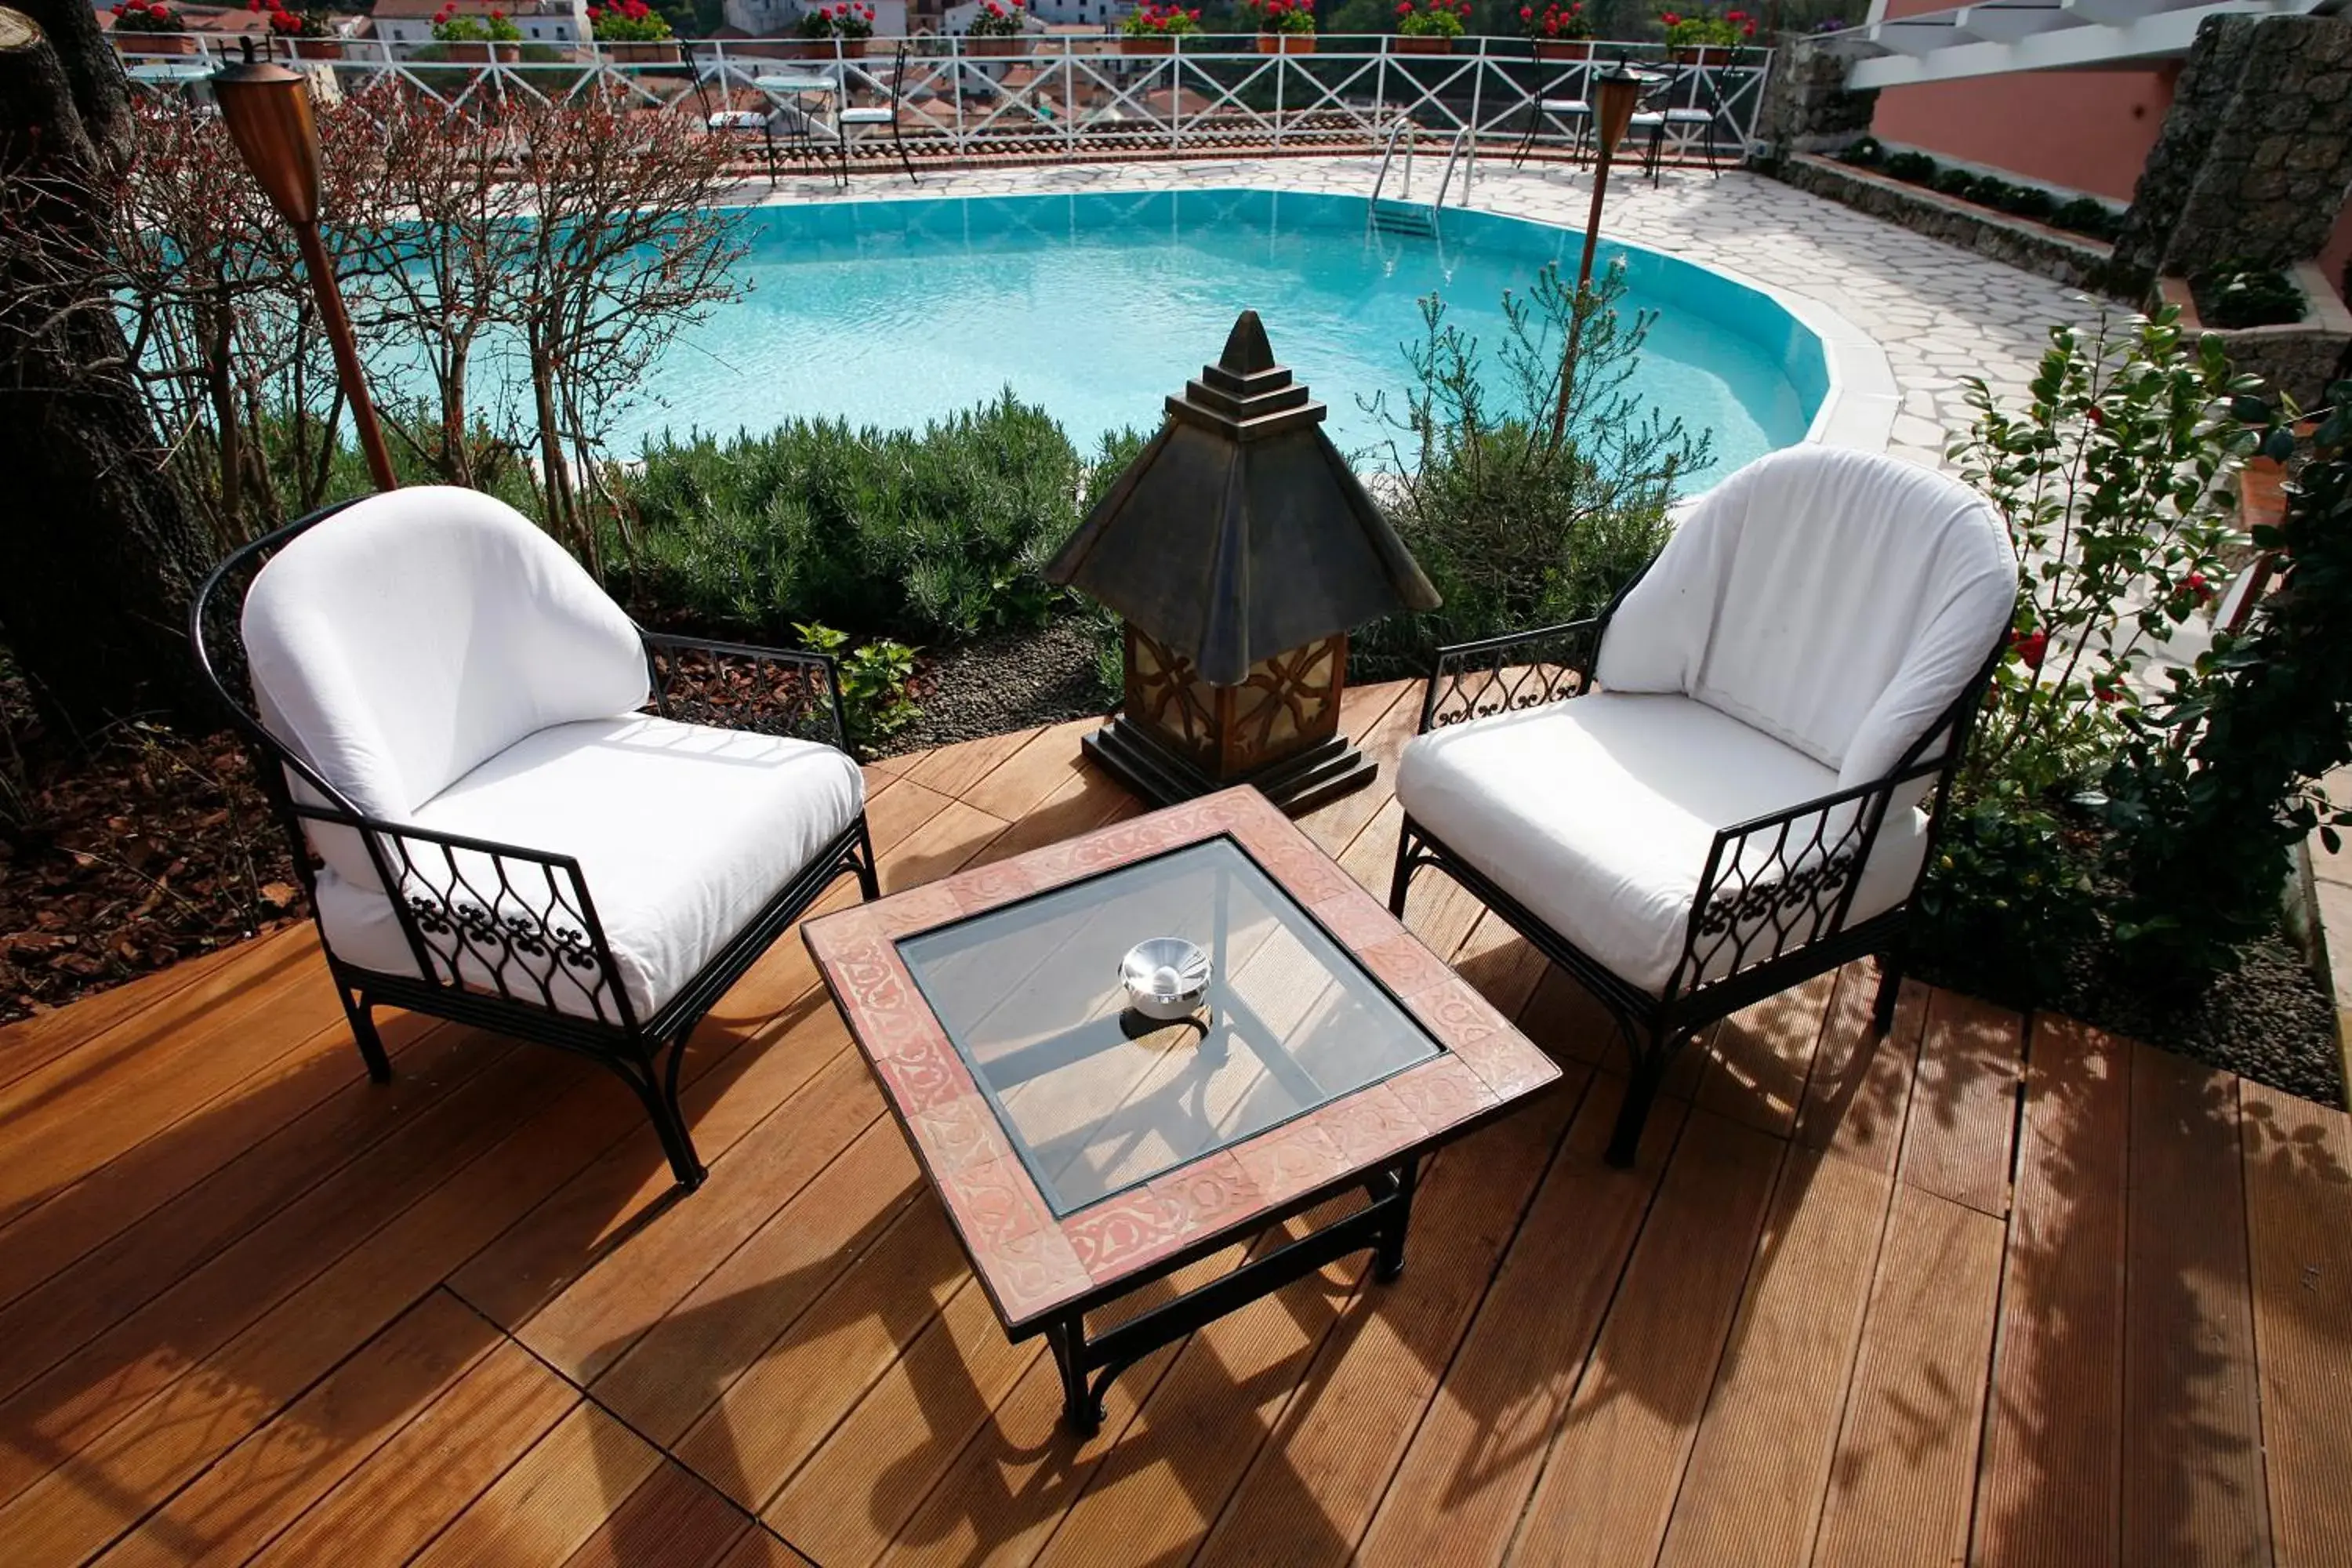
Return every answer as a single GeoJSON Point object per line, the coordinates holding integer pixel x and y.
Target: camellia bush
{"type": "Point", "coordinates": [2113, 480]}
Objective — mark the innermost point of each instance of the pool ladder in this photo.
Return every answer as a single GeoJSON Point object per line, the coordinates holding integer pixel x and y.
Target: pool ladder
{"type": "Point", "coordinates": [1418, 222]}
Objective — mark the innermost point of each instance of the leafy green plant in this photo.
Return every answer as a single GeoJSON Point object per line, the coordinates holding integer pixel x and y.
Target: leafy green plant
{"type": "Point", "coordinates": [2239, 294]}
{"type": "Point", "coordinates": [2222, 779]}
{"type": "Point", "coordinates": [1431, 18]}
{"type": "Point", "coordinates": [1866, 152]}
{"type": "Point", "coordinates": [876, 701]}
{"type": "Point", "coordinates": [1954, 183]}
{"type": "Point", "coordinates": [1705, 28]}
{"type": "Point", "coordinates": [1914, 168]}
{"type": "Point", "coordinates": [2085, 216]}
{"type": "Point", "coordinates": [2008, 902]}
{"type": "Point", "coordinates": [1517, 526]}
{"type": "Point", "coordinates": [933, 535]}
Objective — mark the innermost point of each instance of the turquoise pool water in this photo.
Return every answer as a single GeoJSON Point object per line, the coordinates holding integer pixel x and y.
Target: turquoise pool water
{"type": "Point", "coordinates": [1097, 306]}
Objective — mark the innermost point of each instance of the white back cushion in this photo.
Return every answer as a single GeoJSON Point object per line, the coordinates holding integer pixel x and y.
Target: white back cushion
{"type": "Point", "coordinates": [1836, 600]}
{"type": "Point", "coordinates": [413, 635]}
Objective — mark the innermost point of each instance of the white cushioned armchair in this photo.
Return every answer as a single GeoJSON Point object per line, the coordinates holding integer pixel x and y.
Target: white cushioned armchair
{"type": "Point", "coordinates": [1731, 779]}
{"type": "Point", "coordinates": [510, 805]}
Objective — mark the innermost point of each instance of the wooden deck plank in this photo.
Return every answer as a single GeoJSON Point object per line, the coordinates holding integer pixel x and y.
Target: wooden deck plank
{"type": "Point", "coordinates": [408, 1491]}
{"type": "Point", "coordinates": [1761, 1462]}
{"type": "Point", "coordinates": [1458, 1493]}
{"type": "Point", "coordinates": [1311, 1490]}
{"type": "Point", "coordinates": [1610, 1481]}
{"type": "Point", "coordinates": [129, 1264]}
{"type": "Point", "coordinates": [1382, 719]}
{"type": "Point", "coordinates": [264, 1483]}
{"type": "Point", "coordinates": [759, 1547]}
{"type": "Point", "coordinates": [31, 1043]}
{"type": "Point", "coordinates": [2299, 1232]}
{"type": "Point", "coordinates": [2192, 1463]}
{"type": "Point", "coordinates": [2052, 1477]}
{"type": "Point", "coordinates": [672, 1519]}
{"type": "Point", "coordinates": [1858, 1095]}
{"type": "Point", "coordinates": [1030, 777]}
{"type": "Point", "coordinates": [552, 1501]}
{"type": "Point", "coordinates": [65, 1409]}
{"type": "Point", "coordinates": [1958, 1141]}
{"type": "Point", "coordinates": [1906, 1468]}
{"type": "Point", "coordinates": [960, 769]}
{"type": "Point", "coordinates": [1764, 1055]}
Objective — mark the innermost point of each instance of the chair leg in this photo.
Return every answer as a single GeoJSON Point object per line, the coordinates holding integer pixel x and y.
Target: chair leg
{"type": "Point", "coordinates": [1401, 880]}
{"type": "Point", "coordinates": [1519, 153]}
{"type": "Point", "coordinates": [1890, 982]}
{"type": "Point", "coordinates": [657, 1087]}
{"type": "Point", "coordinates": [362, 1013]}
{"type": "Point", "coordinates": [870, 882]}
{"type": "Point", "coordinates": [899, 138]}
{"type": "Point", "coordinates": [1641, 1090]}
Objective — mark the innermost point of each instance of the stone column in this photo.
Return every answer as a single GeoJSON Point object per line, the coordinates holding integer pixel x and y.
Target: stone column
{"type": "Point", "coordinates": [2255, 156]}
{"type": "Point", "coordinates": [1807, 106]}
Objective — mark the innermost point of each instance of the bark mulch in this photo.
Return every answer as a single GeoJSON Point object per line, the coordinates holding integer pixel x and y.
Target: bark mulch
{"type": "Point", "coordinates": [125, 856]}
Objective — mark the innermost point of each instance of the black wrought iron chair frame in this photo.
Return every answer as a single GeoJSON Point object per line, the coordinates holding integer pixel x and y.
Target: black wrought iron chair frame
{"type": "Point", "coordinates": [485, 919]}
{"type": "Point", "coordinates": [1801, 889]}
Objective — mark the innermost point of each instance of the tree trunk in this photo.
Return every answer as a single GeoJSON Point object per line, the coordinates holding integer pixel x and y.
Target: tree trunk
{"type": "Point", "coordinates": [98, 557]}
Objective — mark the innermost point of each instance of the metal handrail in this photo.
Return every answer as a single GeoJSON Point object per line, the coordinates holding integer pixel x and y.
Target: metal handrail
{"type": "Point", "coordinates": [1401, 126]}
{"type": "Point", "coordinates": [1462, 139]}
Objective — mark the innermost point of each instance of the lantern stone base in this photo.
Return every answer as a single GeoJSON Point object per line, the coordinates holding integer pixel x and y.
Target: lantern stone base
{"type": "Point", "coordinates": [1297, 784]}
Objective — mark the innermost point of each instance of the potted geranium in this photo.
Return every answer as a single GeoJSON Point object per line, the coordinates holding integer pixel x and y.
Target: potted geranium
{"type": "Point", "coordinates": [823, 25]}
{"type": "Point", "coordinates": [161, 29]}
{"type": "Point", "coordinates": [1152, 29]}
{"type": "Point", "coordinates": [307, 34]}
{"type": "Point", "coordinates": [1693, 35]}
{"type": "Point", "coordinates": [996, 29]}
{"type": "Point", "coordinates": [1430, 27]}
{"type": "Point", "coordinates": [631, 30]}
{"type": "Point", "coordinates": [477, 39]}
{"type": "Point", "coordinates": [1558, 32]}
{"type": "Point", "coordinates": [1283, 27]}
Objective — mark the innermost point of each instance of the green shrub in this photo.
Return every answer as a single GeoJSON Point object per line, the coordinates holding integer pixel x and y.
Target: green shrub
{"type": "Point", "coordinates": [937, 535]}
{"type": "Point", "coordinates": [2239, 294]}
{"type": "Point", "coordinates": [1520, 516]}
{"type": "Point", "coordinates": [874, 700]}
{"type": "Point", "coordinates": [1914, 167]}
{"type": "Point", "coordinates": [2029, 201]}
{"type": "Point", "coordinates": [2084, 215]}
{"type": "Point", "coordinates": [1864, 153]}
{"type": "Point", "coordinates": [1954, 183]}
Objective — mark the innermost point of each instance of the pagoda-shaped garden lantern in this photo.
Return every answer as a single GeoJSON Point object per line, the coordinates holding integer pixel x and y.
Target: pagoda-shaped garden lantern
{"type": "Point", "coordinates": [1241, 550]}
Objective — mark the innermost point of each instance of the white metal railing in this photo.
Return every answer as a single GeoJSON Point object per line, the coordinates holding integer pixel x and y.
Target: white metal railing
{"type": "Point", "coordinates": [1041, 97]}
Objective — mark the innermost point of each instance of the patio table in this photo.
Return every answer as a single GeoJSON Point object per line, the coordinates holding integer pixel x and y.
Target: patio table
{"type": "Point", "coordinates": [1083, 1151]}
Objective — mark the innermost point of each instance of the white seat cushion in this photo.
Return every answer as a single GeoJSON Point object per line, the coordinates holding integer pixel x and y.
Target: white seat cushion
{"type": "Point", "coordinates": [1598, 814]}
{"type": "Point", "coordinates": [1564, 106]}
{"type": "Point", "coordinates": [682, 834]}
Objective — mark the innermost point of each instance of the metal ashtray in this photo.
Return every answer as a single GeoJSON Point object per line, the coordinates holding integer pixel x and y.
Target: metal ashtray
{"type": "Point", "coordinates": [1165, 977]}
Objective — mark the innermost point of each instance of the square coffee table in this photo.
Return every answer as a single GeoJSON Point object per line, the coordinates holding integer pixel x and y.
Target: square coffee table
{"type": "Point", "coordinates": [1083, 1151]}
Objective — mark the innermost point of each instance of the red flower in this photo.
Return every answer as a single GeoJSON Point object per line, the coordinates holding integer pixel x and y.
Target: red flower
{"type": "Point", "coordinates": [2030, 647]}
{"type": "Point", "coordinates": [2095, 416]}
{"type": "Point", "coordinates": [1734, 16]}
{"type": "Point", "coordinates": [2196, 584]}
{"type": "Point", "coordinates": [1670, 19]}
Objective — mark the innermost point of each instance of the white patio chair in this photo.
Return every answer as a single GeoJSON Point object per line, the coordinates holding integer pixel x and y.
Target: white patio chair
{"type": "Point", "coordinates": [1745, 799]}
{"type": "Point", "coordinates": [510, 805]}
{"type": "Point", "coordinates": [865, 116]}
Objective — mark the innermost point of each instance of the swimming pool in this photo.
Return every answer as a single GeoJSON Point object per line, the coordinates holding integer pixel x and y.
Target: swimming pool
{"type": "Point", "coordinates": [1095, 307]}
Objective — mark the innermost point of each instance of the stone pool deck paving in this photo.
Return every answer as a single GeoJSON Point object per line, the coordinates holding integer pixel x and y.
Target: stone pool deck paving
{"type": "Point", "coordinates": [1936, 313]}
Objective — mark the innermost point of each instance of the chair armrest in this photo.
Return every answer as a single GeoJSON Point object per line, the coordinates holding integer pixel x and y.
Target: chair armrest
{"type": "Point", "coordinates": [1510, 672]}
{"type": "Point", "coordinates": [492, 916]}
{"type": "Point", "coordinates": [1783, 881]}
{"type": "Point", "coordinates": [738, 686]}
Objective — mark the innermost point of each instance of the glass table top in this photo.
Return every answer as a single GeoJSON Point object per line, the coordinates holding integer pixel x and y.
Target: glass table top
{"type": "Point", "coordinates": [1096, 1099]}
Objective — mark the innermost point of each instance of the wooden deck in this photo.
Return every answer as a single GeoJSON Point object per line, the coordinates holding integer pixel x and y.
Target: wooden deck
{"type": "Point", "coordinates": [1979, 1291]}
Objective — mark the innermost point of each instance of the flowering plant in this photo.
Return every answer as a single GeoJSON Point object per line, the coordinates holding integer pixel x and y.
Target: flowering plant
{"type": "Point", "coordinates": [842, 21]}
{"type": "Point", "coordinates": [1282, 16]}
{"type": "Point", "coordinates": [627, 22]}
{"type": "Point", "coordinates": [1150, 21]}
{"type": "Point", "coordinates": [147, 16]}
{"type": "Point", "coordinates": [288, 24]}
{"type": "Point", "coordinates": [1556, 21]}
{"type": "Point", "coordinates": [1431, 18]}
{"type": "Point", "coordinates": [1706, 29]}
{"type": "Point", "coordinates": [449, 27]}
{"type": "Point", "coordinates": [997, 21]}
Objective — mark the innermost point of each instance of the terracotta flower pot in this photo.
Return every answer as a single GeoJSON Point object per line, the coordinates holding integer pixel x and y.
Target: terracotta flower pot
{"type": "Point", "coordinates": [1285, 43]}
{"type": "Point", "coordinates": [1563, 49]}
{"type": "Point", "coordinates": [157, 43]}
{"type": "Point", "coordinates": [480, 52]}
{"type": "Point", "coordinates": [992, 45]}
{"type": "Point", "coordinates": [643, 52]}
{"type": "Point", "coordinates": [314, 48]}
{"type": "Point", "coordinates": [1143, 44]}
{"type": "Point", "coordinates": [1420, 44]}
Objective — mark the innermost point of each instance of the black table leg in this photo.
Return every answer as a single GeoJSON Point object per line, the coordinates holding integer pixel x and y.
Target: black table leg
{"type": "Point", "coordinates": [1087, 1365]}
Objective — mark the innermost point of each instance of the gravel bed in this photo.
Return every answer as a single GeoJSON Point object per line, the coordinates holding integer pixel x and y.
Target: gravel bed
{"type": "Point", "coordinates": [1016, 682]}
{"type": "Point", "coordinates": [2268, 1020]}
